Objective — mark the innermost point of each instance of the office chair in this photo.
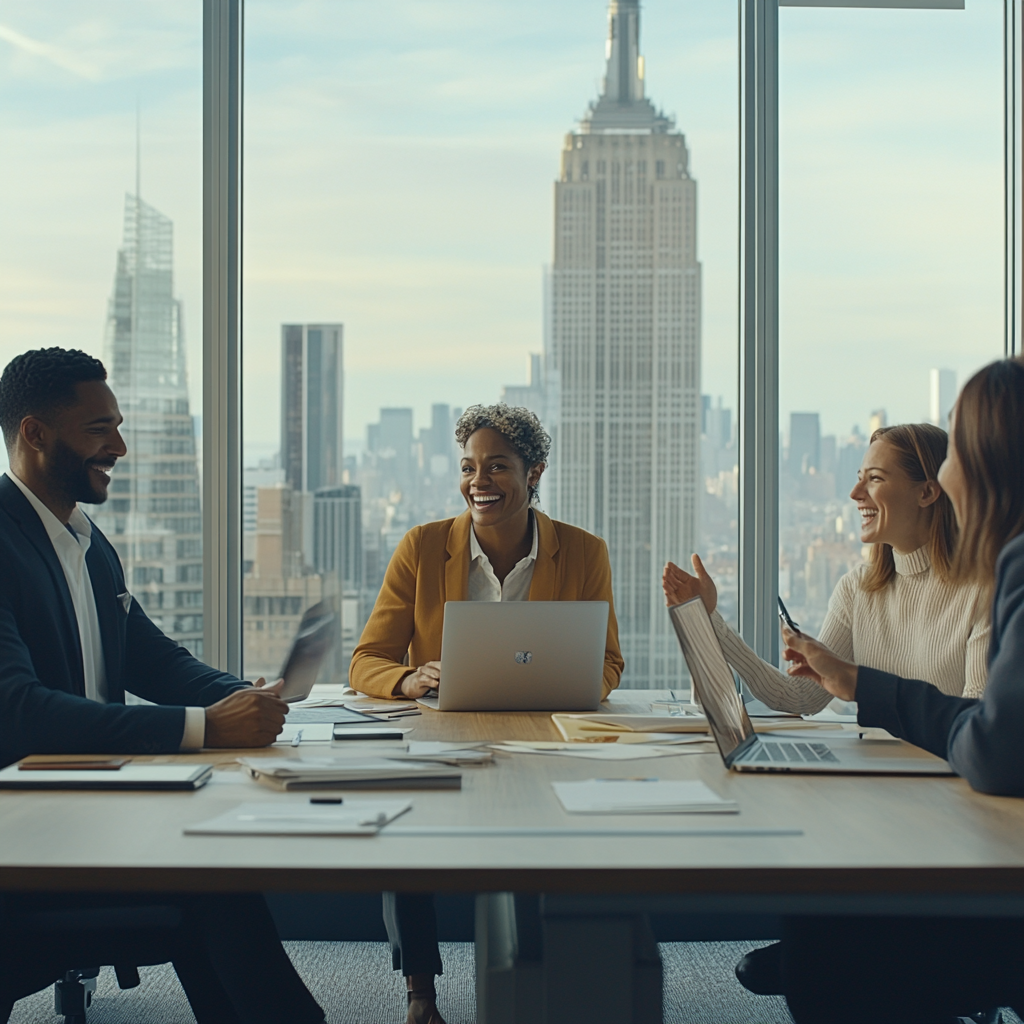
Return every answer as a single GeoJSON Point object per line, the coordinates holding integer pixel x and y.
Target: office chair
{"type": "Point", "coordinates": [73, 991]}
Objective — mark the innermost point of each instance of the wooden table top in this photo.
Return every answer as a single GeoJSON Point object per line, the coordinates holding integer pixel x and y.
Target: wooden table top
{"type": "Point", "coordinates": [860, 834]}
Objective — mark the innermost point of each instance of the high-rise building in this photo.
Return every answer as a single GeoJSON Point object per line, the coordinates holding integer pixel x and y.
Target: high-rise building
{"type": "Point", "coordinates": [312, 405]}
{"type": "Point", "coordinates": [804, 443]}
{"type": "Point", "coordinates": [941, 396]}
{"type": "Point", "coordinates": [153, 514]}
{"type": "Point", "coordinates": [338, 558]}
{"type": "Point", "coordinates": [532, 395]}
{"type": "Point", "coordinates": [623, 368]}
{"type": "Point", "coordinates": [280, 585]}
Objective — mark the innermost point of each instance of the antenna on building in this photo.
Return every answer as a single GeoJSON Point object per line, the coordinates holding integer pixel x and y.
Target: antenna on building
{"type": "Point", "coordinates": [138, 150]}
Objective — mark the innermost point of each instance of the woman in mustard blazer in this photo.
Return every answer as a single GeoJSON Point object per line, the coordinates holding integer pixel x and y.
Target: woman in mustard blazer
{"type": "Point", "coordinates": [502, 548]}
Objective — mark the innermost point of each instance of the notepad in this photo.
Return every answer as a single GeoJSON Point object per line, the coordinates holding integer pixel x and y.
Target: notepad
{"type": "Point", "coordinates": [641, 796]}
{"type": "Point", "coordinates": [352, 818]}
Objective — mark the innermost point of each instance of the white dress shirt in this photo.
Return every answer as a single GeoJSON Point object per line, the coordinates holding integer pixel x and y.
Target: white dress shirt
{"type": "Point", "coordinates": [71, 551]}
{"type": "Point", "coordinates": [484, 585]}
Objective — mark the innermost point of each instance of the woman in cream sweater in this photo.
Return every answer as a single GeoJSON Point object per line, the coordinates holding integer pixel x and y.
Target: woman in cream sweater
{"type": "Point", "coordinates": [899, 612]}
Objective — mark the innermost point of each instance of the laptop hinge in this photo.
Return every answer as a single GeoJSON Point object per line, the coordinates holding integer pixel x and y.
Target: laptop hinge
{"type": "Point", "coordinates": [742, 750]}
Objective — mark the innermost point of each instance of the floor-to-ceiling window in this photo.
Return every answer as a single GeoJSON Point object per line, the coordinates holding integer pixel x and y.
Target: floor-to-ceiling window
{"type": "Point", "coordinates": [100, 250]}
{"type": "Point", "coordinates": [449, 204]}
{"type": "Point", "coordinates": [891, 252]}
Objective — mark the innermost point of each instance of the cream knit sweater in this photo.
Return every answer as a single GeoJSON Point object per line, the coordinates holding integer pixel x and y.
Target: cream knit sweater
{"type": "Point", "coordinates": [918, 626]}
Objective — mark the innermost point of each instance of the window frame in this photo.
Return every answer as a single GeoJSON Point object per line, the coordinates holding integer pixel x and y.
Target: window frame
{"type": "Point", "coordinates": [758, 326]}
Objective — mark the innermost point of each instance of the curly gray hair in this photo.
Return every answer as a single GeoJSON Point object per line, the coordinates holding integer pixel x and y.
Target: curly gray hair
{"type": "Point", "coordinates": [520, 427]}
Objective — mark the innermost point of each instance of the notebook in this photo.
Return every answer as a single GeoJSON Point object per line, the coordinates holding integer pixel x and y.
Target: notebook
{"type": "Point", "coordinates": [130, 776]}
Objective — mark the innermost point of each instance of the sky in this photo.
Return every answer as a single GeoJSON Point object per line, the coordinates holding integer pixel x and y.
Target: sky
{"type": "Point", "coordinates": [399, 167]}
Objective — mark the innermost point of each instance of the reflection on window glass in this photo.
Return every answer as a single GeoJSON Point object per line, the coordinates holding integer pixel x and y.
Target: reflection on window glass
{"type": "Point", "coordinates": [101, 198]}
{"type": "Point", "coordinates": [453, 204]}
{"type": "Point", "coordinates": [891, 252]}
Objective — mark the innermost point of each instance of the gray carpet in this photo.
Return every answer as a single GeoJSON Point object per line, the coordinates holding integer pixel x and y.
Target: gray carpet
{"type": "Point", "coordinates": [354, 982]}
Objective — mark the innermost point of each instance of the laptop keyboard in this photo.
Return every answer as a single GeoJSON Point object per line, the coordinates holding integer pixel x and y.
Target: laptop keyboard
{"type": "Point", "coordinates": [783, 753]}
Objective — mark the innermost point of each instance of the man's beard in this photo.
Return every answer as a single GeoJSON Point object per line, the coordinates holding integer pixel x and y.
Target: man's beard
{"type": "Point", "coordinates": [69, 476]}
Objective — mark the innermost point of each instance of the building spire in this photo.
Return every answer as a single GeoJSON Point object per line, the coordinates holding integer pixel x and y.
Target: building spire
{"type": "Point", "coordinates": [622, 106]}
{"type": "Point", "coordinates": [624, 77]}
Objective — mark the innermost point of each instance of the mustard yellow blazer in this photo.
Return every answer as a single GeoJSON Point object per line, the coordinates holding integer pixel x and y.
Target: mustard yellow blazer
{"type": "Point", "coordinates": [431, 566]}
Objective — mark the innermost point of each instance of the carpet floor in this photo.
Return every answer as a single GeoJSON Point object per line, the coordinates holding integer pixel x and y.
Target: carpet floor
{"type": "Point", "coordinates": [354, 983]}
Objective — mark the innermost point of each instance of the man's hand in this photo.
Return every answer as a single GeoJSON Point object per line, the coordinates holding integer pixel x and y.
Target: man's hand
{"type": "Point", "coordinates": [680, 586]}
{"type": "Point", "coordinates": [426, 678]}
{"type": "Point", "coordinates": [252, 717]}
{"type": "Point", "coordinates": [809, 658]}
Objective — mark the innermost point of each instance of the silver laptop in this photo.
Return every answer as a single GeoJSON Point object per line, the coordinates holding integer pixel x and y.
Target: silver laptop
{"type": "Point", "coordinates": [745, 751]}
{"type": "Point", "coordinates": [522, 656]}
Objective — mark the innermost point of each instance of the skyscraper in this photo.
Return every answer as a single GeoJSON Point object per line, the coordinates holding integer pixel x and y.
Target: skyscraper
{"type": "Point", "coordinates": [312, 405]}
{"type": "Point", "coordinates": [153, 514]}
{"type": "Point", "coordinates": [942, 396]}
{"type": "Point", "coordinates": [804, 442]}
{"type": "Point", "coordinates": [623, 369]}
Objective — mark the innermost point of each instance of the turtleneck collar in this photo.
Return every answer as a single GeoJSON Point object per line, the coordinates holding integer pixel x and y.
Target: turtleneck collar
{"type": "Point", "coordinates": [914, 563]}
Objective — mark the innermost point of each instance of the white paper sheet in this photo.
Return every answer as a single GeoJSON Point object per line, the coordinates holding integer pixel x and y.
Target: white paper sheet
{"type": "Point", "coordinates": [301, 818]}
{"type": "Point", "coordinates": [595, 751]}
{"type": "Point", "coordinates": [640, 796]}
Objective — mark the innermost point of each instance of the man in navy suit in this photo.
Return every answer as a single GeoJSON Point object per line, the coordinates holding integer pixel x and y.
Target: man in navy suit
{"type": "Point", "coordinates": [73, 641]}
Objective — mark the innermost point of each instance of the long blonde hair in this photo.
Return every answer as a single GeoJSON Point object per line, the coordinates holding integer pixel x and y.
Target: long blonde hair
{"type": "Point", "coordinates": [920, 449]}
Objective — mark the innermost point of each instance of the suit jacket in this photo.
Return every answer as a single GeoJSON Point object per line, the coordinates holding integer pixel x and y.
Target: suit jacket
{"type": "Point", "coordinates": [981, 739]}
{"type": "Point", "coordinates": [431, 566]}
{"type": "Point", "coordinates": [43, 707]}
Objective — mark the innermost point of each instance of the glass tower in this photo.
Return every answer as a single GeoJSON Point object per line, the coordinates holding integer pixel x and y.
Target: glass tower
{"type": "Point", "coordinates": [152, 516]}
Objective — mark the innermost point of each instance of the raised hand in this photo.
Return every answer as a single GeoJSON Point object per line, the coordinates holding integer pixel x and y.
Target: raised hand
{"type": "Point", "coordinates": [252, 717]}
{"type": "Point", "coordinates": [426, 678]}
{"type": "Point", "coordinates": [680, 586]}
{"type": "Point", "coordinates": [809, 658]}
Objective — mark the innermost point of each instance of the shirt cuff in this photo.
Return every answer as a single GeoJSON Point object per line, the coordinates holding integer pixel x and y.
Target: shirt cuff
{"type": "Point", "coordinates": [194, 735]}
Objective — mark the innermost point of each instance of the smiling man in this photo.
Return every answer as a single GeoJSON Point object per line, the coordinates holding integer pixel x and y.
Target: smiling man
{"type": "Point", "coordinates": [72, 638]}
{"type": "Point", "coordinates": [72, 642]}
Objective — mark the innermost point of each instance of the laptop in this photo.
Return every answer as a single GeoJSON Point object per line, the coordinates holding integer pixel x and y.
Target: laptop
{"type": "Point", "coordinates": [745, 751]}
{"type": "Point", "coordinates": [313, 641]}
{"type": "Point", "coordinates": [521, 656]}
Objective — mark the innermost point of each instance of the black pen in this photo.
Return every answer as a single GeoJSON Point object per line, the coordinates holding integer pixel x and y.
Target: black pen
{"type": "Point", "coordinates": [787, 619]}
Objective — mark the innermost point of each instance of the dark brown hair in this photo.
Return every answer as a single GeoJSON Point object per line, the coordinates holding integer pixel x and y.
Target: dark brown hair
{"type": "Point", "coordinates": [920, 449]}
{"type": "Point", "coordinates": [988, 434]}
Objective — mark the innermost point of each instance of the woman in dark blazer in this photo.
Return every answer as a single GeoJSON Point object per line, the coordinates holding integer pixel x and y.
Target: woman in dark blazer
{"type": "Point", "coordinates": [852, 969]}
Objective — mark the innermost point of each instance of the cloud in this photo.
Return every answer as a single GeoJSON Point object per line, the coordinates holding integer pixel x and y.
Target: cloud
{"type": "Point", "coordinates": [56, 55]}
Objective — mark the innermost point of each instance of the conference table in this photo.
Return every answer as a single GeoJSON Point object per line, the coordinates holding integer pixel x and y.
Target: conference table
{"type": "Point", "coordinates": [799, 844]}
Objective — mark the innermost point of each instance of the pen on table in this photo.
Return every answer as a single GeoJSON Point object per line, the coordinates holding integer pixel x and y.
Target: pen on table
{"type": "Point", "coordinates": [297, 738]}
{"type": "Point", "coordinates": [403, 714]}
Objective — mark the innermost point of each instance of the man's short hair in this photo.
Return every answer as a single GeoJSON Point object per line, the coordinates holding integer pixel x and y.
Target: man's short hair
{"type": "Point", "coordinates": [40, 382]}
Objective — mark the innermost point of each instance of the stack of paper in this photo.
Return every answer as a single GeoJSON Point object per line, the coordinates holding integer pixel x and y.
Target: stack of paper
{"type": "Point", "coordinates": [294, 773]}
{"type": "Point", "coordinates": [352, 818]}
{"type": "Point", "coordinates": [605, 728]}
{"type": "Point", "coordinates": [640, 796]}
{"type": "Point", "coordinates": [446, 752]}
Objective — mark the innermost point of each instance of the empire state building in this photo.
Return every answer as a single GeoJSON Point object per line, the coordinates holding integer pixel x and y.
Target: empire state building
{"type": "Point", "coordinates": [623, 353]}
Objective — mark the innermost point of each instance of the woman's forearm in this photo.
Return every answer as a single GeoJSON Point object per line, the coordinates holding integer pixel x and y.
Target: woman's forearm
{"type": "Point", "coordinates": [776, 689]}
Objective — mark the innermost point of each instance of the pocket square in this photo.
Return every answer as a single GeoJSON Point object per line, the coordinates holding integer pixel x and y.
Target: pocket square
{"type": "Point", "coordinates": [126, 601]}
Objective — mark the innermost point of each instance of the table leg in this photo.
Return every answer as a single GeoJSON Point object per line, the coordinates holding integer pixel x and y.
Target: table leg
{"type": "Point", "coordinates": [585, 966]}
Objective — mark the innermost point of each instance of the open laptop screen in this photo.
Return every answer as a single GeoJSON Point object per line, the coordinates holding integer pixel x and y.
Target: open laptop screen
{"type": "Point", "coordinates": [711, 676]}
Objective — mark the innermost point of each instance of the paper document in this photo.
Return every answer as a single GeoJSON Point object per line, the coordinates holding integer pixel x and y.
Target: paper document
{"type": "Point", "coordinates": [640, 796]}
{"type": "Point", "coordinates": [374, 772]}
{"type": "Point", "coordinates": [294, 818]}
{"type": "Point", "coordinates": [595, 751]}
{"type": "Point", "coordinates": [314, 732]}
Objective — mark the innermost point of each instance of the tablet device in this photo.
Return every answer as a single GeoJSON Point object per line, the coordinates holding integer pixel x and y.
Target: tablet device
{"type": "Point", "coordinates": [312, 643]}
